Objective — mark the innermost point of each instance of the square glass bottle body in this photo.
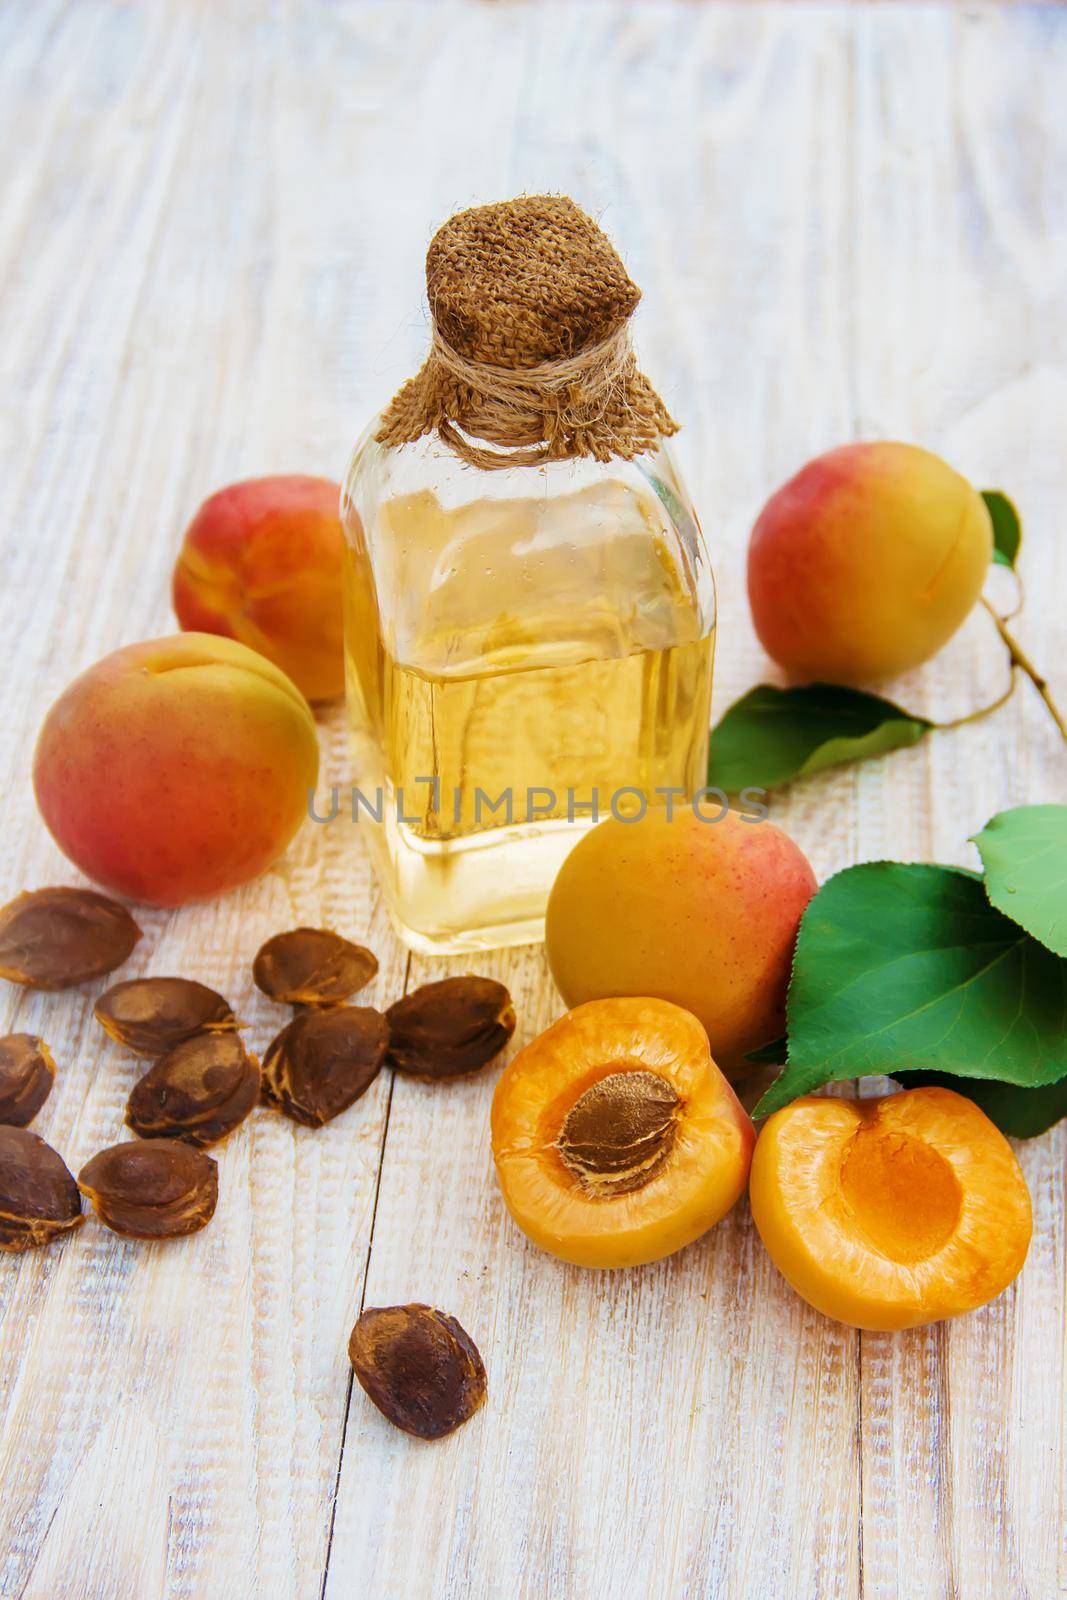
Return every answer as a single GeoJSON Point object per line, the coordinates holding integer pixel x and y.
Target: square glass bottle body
{"type": "Point", "coordinates": [527, 650]}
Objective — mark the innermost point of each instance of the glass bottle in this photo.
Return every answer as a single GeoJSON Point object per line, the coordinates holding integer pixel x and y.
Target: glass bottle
{"type": "Point", "coordinates": [528, 650]}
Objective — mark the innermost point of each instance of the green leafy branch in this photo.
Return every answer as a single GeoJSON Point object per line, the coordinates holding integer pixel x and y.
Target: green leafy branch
{"type": "Point", "coordinates": [773, 736]}
{"type": "Point", "coordinates": [937, 974]}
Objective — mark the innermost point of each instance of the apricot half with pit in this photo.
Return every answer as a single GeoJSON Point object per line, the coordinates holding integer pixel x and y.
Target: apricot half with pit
{"type": "Point", "coordinates": [890, 1213]}
{"type": "Point", "coordinates": [616, 1138]}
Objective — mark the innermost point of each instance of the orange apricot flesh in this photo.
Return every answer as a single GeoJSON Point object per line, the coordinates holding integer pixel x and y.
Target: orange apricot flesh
{"type": "Point", "coordinates": [616, 1138]}
{"type": "Point", "coordinates": [890, 1213]}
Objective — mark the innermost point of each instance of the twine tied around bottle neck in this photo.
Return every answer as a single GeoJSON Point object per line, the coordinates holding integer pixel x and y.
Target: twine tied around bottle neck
{"type": "Point", "coordinates": [531, 344]}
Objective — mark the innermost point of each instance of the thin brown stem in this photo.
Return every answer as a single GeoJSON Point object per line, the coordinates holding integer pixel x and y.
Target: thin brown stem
{"type": "Point", "coordinates": [984, 711]}
{"type": "Point", "coordinates": [1019, 658]}
{"type": "Point", "coordinates": [1020, 599]}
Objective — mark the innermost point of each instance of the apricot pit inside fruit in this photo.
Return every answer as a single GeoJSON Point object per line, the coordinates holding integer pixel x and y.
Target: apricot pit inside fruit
{"type": "Point", "coordinates": [619, 1131]}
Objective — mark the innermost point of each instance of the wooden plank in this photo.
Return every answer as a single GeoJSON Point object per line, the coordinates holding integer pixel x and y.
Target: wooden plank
{"type": "Point", "coordinates": [689, 1427]}
{"type": "Point", "coordinates": [845, 220]}
{"type": "Point", "coordinates": [959, 269]}
{"type": "Point", "coordinates": [172, 1415]}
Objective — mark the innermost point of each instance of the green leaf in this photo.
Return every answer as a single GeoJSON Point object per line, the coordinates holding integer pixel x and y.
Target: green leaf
{"type": "Point", "coordinates": [771, 736]}
{"type": "Point", "coordinates": [1024, 853]}
{"type": "Point", "coordinates": [1007, 528]}
{"type": "Point", "coordinates": [901, 967]}
{"type": "Point", "coordinates": [1020, 1113]}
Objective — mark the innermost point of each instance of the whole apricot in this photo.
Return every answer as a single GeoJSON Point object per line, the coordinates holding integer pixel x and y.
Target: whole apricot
{"type": "Point", "coordinates": [261, 563]}
{"type": "Point", "coordinates": [893, 1212]}
{"type": "Point", "coordinates": [616, 1138]}
{"type": "Point", "coordinates": [699, 912]}
{"type": "Point", "coordinates": [177, 768]}
{"type": "Point", "coordinates": [866, 562]}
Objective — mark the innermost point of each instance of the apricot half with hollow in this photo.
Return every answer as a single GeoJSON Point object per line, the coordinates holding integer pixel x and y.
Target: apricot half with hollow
{"type": "Point", "coordinates": [890, 1213]}
{"type": "Point", "coordinates": [616, 1138]}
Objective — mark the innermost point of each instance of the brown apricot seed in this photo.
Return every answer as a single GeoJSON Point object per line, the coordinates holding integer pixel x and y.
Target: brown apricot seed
{"type": "Point", "coordinates": [27, 1073]}
{"type": "Point", "coordinates": [312, 967]}
{"type": "Point", "coordinates": [39, 1199]}
{"type": "Point", "coordinates": [419, 1367]}
{"type": "Point", "coordinates": [323, 1062]}
{"type": "Point", "coordinates": [151, 1189]}
{"type": "Point", "coordinates": [450, 1027]}
{"type": "Point", "coordinates": [54, 938]}
{"type": "Point", "coordinates": [618, 1132]}
{"type": "Point", "coordinates": [199, 1091]}
{"type": "Point", "coordinates": [151, 1015]}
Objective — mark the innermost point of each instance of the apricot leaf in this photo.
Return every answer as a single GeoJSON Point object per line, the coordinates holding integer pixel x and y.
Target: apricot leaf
{"type": "Point", "coordinates": [1020, 1113]}
{"type": "Point", "coordinates": [1024, 853]}
{"type": "Point", "coordinates": [771, 736]}
{"type": "Point", "coordinates": [1007, 528]}
{"type": "Point", "coordinates": [902, 967]}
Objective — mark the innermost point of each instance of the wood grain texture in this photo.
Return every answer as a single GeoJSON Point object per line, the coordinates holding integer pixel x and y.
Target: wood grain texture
{"type": "Point", "coordinates": [847, 221]}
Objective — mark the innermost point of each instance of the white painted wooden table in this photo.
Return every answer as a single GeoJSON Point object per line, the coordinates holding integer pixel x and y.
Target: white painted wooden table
{"type": "Point", "coordinates": [848, 222]}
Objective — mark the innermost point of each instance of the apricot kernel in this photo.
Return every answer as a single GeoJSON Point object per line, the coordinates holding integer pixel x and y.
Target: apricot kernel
{"type": "Point", "coordinates": [620, 1131]}
{"type": "Point", "coordinates": [420, 1367]}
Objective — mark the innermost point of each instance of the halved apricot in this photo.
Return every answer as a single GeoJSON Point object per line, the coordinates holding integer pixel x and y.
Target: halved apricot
{"type": "Point", "coordinates": [617, 1140]}
{"type": "Point", "coordinates": [890, 1213]}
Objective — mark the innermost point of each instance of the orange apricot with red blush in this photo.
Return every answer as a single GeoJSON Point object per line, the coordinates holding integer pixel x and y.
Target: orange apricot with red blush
{"type": "Point", "coordinates": [261, 563]}
{"type": "Point", "coordinates": [616, 1138]}
{"type": "Point", "coordinates": [894, 1212]}
{"type": "Point", "coordinates": [866, 562]}
{"type": "Point", "coordinates": [701, 912]}
{"type": "Point", "coordinates": [176, 768]}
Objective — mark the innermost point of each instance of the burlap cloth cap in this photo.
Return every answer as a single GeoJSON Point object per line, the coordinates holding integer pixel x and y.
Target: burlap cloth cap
{"type": "Point", "coordinates": [531, 347]}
